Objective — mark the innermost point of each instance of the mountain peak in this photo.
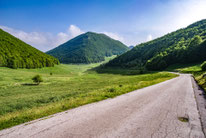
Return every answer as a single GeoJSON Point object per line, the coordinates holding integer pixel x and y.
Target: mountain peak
{"type": "Point", "coordinates": [90, 33]}
{"type": "Point", "coordinates": [89, 47]}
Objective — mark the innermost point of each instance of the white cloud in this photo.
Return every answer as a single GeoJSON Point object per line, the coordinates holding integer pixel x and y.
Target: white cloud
{"type": "Point", "coordinates": [61, 38]}
{"type": "Point", "coordinates": [74, 31]}
{"type": "Point", "coordinates": [149, 37]}
{"type": "Point", "coordinates": [114, 36]}
{"type": "Point", "coordinates": [44, 41]}
{"type": "Point", "coordinates": [37, 39]}
{"type": "Point", "coordinates": [165, 17]}
{"type": "Point", "coordinates": [177, 14]}
{"type": "Point", "coordinates": [190, 11]}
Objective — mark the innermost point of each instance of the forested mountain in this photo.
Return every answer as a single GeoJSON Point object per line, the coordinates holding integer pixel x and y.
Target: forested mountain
{"type": "Point", "coordinates": [14, 53]}
{"type": "Point", "coordinates": [88, 48]}
{"type": "Point", "coordinates": [187, 45]}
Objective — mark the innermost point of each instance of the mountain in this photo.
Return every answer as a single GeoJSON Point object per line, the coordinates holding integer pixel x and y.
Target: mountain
{"type": "Point", "coordinates": [130, 47]}
{"type": "Point", "coordinates": [187, 45]}
{"type": "Point", "coordinates": [15, 53]}
{"type": "Point", "coordinates": [88, 48]}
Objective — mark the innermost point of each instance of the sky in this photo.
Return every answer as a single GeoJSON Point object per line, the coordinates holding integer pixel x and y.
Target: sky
{"type": "Point", "coordinates": [45, 24]}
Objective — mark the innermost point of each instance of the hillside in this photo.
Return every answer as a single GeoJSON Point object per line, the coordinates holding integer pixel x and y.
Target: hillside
{"type": "Point", "coordinates": [14, 53]}
{"type": "Point", "coordinates": [185, 45]}
{"type": "Point", "coordinates": [88, 48]}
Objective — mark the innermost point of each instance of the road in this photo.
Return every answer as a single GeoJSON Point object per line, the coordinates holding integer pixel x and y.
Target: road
{"type": "Point", "coordinates": [151, 112]}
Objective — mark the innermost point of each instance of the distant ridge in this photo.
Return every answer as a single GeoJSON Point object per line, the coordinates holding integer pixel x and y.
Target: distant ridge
{"type": "Point", "coordinates": [130, 47]}
{"type": "Point", "coordinates": [15, 53]}
{"type": "Point", "coordinates": [88, 48]}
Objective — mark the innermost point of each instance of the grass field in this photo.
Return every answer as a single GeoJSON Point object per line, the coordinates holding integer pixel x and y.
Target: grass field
{"type": "Point", "coordinates": [69, 86]}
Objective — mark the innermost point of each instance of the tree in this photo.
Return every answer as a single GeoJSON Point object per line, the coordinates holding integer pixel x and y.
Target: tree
{"type": "Point", "coordinates": [196, 40]}
{"type": "Point", "coordinates": [37, 79]}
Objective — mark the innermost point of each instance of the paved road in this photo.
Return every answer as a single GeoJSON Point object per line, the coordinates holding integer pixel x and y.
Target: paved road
{"type": "Point", "coordinates": [151, 112]}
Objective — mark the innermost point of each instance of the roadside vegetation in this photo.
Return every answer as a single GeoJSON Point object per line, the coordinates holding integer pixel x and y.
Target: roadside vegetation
{"type": "Point", "coordinates": [63, 87]}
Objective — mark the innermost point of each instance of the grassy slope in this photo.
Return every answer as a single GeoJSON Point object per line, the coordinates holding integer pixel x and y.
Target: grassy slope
{"type": "Point", "coordinates": [70, 86]}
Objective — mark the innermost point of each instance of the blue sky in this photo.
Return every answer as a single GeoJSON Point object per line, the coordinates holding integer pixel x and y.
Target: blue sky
{"type": "Point", "coordinates": [47, 23]}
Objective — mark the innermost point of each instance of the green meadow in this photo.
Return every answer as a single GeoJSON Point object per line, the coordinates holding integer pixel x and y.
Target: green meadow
{"type": "Point", "coordinates": [63, 87]}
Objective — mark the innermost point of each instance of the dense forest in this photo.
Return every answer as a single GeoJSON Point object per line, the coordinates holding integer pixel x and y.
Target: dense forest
{"type": "Point", "coordinates": [88, 48]}
{"type": "Point", "coordinates": [14, 53]}
{"type": "Point", "coordinates": [187, 45]}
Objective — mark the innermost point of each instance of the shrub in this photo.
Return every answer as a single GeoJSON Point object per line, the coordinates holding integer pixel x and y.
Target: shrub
{"type": "Point", "coordinates": [203, 66]}
{"type": "Point", "coordinates": [111, 90]}
{"type": "Point", "coordinates": [37, 79]}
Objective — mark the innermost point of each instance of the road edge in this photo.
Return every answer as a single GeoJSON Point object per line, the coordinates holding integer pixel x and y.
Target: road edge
{"type": "Point", "coordinates": [200, 98]}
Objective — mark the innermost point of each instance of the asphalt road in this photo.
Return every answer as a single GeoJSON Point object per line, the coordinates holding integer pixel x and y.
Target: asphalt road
{"type": "Point", "coordinates": [150, 112]}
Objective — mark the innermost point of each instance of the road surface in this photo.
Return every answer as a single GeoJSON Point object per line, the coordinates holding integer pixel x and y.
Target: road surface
{"type": "Point", "coordinates": [151, 112]}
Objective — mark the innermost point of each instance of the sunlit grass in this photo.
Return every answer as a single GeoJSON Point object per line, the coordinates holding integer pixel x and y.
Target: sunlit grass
{"type": "Point", "coordinates": [184, 68]}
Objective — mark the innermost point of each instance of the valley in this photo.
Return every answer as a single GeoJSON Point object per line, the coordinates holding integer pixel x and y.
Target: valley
{"type": "Point", "coordinates": [124, 73]}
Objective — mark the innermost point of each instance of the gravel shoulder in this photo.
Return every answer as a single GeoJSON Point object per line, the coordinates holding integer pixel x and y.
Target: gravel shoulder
{"type": "Point", "coordinates": [201, 103]}
{"type": "Point", "coordinates": [151, 112]}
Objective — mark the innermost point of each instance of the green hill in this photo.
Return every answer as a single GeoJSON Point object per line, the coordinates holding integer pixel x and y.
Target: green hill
{"type": "Point", "coordinates": [14, 53]}
{"type": "Point", "coordinates": [185, 45]}
{"type": "Point", "coordinates": [88, 48]}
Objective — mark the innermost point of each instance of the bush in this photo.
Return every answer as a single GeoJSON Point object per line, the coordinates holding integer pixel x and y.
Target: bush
{"type": "Point", "coordinates": [203, 66]}
{"type": "Point", "coordinates": [37, 79]}
{"type": "Point", "coordinates": [112, 90]}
